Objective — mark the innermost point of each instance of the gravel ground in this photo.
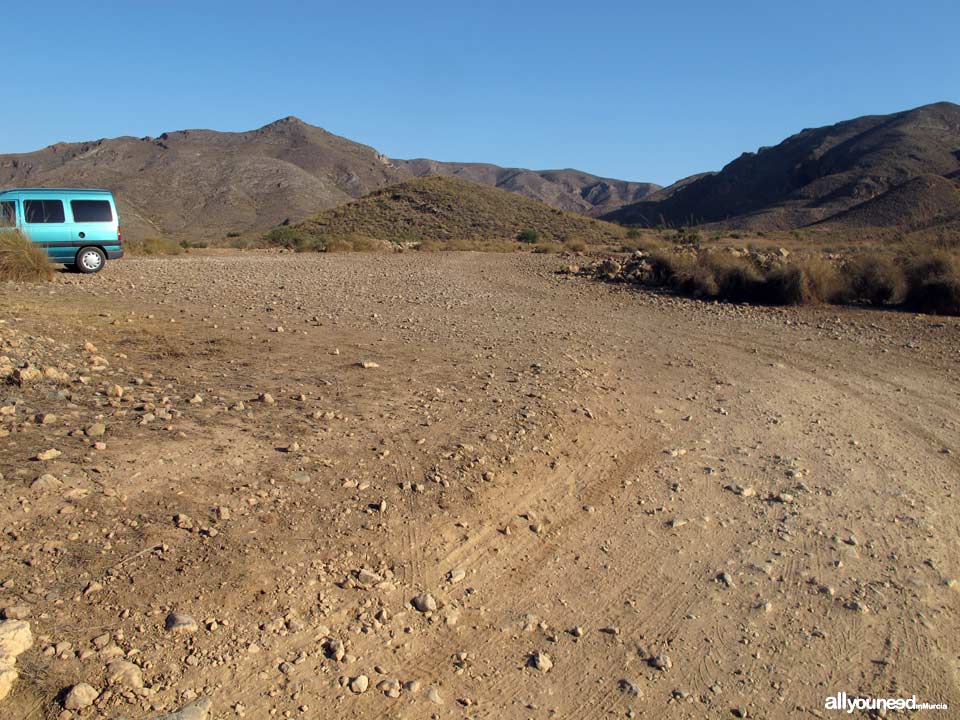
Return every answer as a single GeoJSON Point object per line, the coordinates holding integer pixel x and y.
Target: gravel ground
{"type": "Point", "coordinates": [463, 485]}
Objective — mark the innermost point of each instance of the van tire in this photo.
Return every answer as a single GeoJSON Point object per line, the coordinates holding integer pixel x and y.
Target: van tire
{"type": "Point", "coordinates": [90, 260]}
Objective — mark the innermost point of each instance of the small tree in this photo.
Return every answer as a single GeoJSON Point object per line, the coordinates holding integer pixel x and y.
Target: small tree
{"type": "Point", "coordinates": [529, 235]}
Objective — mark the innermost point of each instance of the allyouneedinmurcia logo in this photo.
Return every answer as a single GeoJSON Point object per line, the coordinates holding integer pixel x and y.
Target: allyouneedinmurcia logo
{"type": "Point", "coordinates": [843, 702]}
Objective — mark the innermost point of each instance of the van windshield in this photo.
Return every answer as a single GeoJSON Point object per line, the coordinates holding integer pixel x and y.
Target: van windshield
{"type": "Point", "coordinates": [8, 213]}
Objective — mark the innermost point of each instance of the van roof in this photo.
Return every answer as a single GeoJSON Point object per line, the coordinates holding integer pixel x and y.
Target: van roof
{"type": "Point", "coordinates": [53, 189]}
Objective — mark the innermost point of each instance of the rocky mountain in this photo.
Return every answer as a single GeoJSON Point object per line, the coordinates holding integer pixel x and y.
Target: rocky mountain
{"type": "Point", "coordinates": [202, 183]}
{"type": "Point", "coordinates": [444, 210]}
{"type": "Point", "coordinates": [571, 190]}
{"type": "Point", "coordinates": [821, 174]}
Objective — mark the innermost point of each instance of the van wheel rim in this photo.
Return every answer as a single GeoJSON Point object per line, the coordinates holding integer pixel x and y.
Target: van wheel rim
{"type": "Point", "coordinates": [91, 260]}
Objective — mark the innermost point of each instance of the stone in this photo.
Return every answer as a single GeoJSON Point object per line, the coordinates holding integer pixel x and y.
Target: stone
{"type": "Point", "coordinates": [424, 603]}
{"type": "Point", "coordinates": [180, 623]}
{"type": "Point", "coordinates": [15, 638]}
{"type": "Point", "coordinates": [335, 649]}
{"type": "Point", "coordinates": [122, 672]}
{"type": "Point", "coordinates": [368, 577]}
{"type": "Point", "coordinates": [457, 575]}
{"type": "Point", "coordinates": [46, 482]}
{"type": "Point", "coordinates": [359, 684]}
{"type": "Point", "coordinates": [17, 612]}
{"type": "Point", "coordinates": [26, 375]}
{"type": "Point", "coordinates": [433, 695]}
{"type": "Point", "coordinates": [96, 430]}
{"type": "Point", "coordinates": [51, 454]}
{"type": "Point", "coordinates": [369, 365]}
{"type": "Point", "coordinates": [389, 687]}
{"type": "Point", "coordinates": [80, 696]}
{"type": "Point", "coordinates": [540, 661]}
{"type": "Point", "coordinates": [197, 710]}
{"type": "Point", "coordinates": [8, 675]}
{"type": "Point", "coordinates": [661, 662]}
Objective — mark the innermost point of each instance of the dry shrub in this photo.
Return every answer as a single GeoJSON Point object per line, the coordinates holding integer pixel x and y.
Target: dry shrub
{"type": "Point", "coordinates": [153, 246]}
{"type": "Point", "coordinates": [670, 269]}
{"type": "Point", "coordinates": [22, 260]}
{"type": "Point", "coordinates": [805, 282]}
{"type": "Point", "coordinates": [499, 246]}
{"type": "Point", "coordinates": [575, 245]}
{"type": "Point", "coordinates": [933, 284]}
{"type": "Point", "coordinates": [364, 243]}
{"type": "Point", "coordinates": [875, 279]}
{"type": "Point", "coordinates": [648, 244]}
{"type": "Point", "coordinates": [332, 245]}
{"type": "Point", "coordinates": [550, 248]}
{"type": "Point", "coordinates": [727, 277]}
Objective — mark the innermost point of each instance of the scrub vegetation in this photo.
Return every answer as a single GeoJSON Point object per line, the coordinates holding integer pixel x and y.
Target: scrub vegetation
{"type": "Point", "coordinates": [927, 282]}
{"type": "Point", "coordinates": [22, 260]}
{"type": "Point", "coordinates": [153, 246]}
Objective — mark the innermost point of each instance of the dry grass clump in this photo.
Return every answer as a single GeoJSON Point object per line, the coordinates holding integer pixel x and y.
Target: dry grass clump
{"type": "Point", "coordinates": [22, 260]}
{"type": "Point", "coordinates": [874, 279]}
{"type": "Point", "coordinates": [152, 246]}
{"type": "Point", "coordinates": [727, 277]}
{"type": "Point", "coordinates": [811, 281]}
{"type": "Point", "coordinates": [933, 284]}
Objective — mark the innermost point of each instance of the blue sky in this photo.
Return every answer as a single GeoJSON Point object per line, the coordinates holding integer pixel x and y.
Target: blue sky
{"type": "Point", "coordinates": [638, 90]}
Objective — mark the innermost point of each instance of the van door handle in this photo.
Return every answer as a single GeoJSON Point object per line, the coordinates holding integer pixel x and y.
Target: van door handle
{"type": "Point", "coordinates": [82, 235]}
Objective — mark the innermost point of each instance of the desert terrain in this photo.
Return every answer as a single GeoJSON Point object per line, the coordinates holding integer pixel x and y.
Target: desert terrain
{"type": "Point", "coordinates": [463, 485]}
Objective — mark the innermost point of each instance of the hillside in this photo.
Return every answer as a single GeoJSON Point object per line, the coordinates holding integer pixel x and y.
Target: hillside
{"type": "Point", "coordinates": [920, 203]}
{"type": "Point", "coordinates": [571, 190]}
{"type": "Point", "coordinates": [815, 175]}
{"type": "Point", "coordinates": [202, 183]}
{"type": "Point", "coordinates": [444, 209]}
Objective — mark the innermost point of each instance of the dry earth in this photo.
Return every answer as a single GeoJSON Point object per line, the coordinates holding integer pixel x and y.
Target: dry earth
{"type": "Point", "coordinates": [549, 498]}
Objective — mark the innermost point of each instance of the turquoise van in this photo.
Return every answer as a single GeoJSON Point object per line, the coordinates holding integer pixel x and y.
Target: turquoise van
{"type": "Point", "coordinates": [79, 228]}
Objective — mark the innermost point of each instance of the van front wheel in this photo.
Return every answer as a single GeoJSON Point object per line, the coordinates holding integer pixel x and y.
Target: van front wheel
{"type": "Point", "coordinates": [90, 260]}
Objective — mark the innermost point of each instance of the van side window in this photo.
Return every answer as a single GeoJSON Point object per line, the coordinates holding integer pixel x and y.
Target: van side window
{"type": "Point", "coordinates": [91, 211]}
{"type": "Point", "coordinates": [8, 213]}
{"type": "Point", "coordinates": [43, 211]}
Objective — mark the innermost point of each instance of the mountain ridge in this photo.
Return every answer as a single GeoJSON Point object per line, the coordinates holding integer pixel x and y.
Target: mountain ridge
{"type": "Point", "coordinates": [206, 183]}
{"type": "Point", "coordinates": [814, 174]}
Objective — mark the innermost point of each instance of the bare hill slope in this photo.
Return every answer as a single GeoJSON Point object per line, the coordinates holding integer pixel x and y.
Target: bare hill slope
{"type": "Point", "coordinates": [815, 174]}
{"type": "Point", "coordinates": [443, 209]}
{"type": "Point", "coordinates": [206, 183]}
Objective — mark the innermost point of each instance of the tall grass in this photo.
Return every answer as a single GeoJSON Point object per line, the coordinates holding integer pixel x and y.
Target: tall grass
{"type": "Point", "coordinates": [22, 260]}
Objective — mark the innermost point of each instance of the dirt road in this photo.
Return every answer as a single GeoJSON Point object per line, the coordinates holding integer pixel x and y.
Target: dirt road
{"type": "Point", "coordinates": [464, 486]}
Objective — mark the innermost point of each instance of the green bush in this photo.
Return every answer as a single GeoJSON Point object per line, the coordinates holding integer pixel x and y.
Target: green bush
{"type": "Point", "coordinates": [528, 235]}
{"type": "Point", "coordinates": [293, 238]}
